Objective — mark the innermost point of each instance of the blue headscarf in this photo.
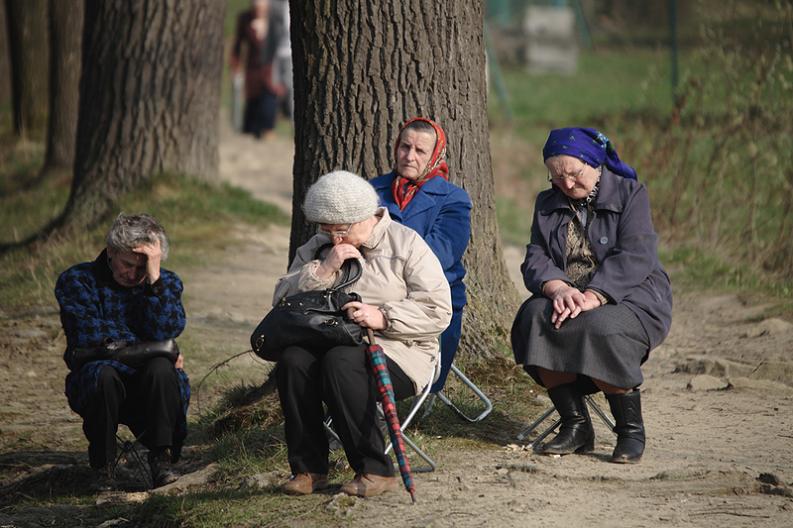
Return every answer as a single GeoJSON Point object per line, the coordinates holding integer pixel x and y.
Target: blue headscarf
{"type": "Point", "coordinates": [588, 145]}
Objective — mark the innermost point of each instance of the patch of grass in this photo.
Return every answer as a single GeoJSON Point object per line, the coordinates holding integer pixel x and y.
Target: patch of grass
{"type": "Point", "coordinates": [239, 508]}
{"type": "Point", "coordinates": [197, 215]}
{"type": "Point", "coordinates": [694, 269]}
{"type": "Point", "coordinates": [606, 82]}
{"type": "Point", "coordinates": [514, 221]}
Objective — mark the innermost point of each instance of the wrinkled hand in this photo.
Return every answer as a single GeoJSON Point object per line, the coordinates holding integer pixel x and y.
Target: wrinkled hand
{"type": "Point", "coordinates": [179, 361]}
{"type": "Point", "coordinates": [153, 253]}
{"type": "Point", "coordinates": [366, 315]}
{"type": "Point", "coordinates": [567, 302]}
{"type": "Point", "coordinates": [335, 258]}
{"type": "Point", "coordinates": [591, 301]}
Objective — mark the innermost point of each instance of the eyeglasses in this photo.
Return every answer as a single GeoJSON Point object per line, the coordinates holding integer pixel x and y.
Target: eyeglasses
{"type": "Point", "coordinates": [557, 178]}
{"type": "Point", "coordinates": [333, 233]}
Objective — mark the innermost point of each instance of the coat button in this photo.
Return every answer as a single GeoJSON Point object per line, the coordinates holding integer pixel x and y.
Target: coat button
{"type": "Point", "coordinates": [604, 240]}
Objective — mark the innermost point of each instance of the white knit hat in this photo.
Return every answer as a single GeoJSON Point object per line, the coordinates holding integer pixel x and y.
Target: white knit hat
{"type": "Point", "coordinates": [340, 197]}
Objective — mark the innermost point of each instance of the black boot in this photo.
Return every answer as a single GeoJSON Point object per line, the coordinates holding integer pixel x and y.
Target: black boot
{"type": "Point", "coordinates": [576, 434]}
{"type": "Point", "coordinates": [161, 471]}
{"type": "Point", "coordinates": [627, 411]}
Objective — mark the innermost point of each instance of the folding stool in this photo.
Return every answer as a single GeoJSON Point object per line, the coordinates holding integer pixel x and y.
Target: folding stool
{"type": "Point", "coordinates": [131, 451]}
{"type": "Point", "coordinates": [536, 423]}
{"type": "Point", "coordinates": [418, 401]}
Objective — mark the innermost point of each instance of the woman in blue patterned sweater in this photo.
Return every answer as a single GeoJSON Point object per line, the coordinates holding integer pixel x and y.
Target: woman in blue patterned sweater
{"type": "Point", "coordinates": [125, 296]}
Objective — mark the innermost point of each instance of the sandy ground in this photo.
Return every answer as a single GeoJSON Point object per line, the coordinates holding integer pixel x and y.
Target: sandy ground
{"type": "Point", "coordinates": [718, 403]}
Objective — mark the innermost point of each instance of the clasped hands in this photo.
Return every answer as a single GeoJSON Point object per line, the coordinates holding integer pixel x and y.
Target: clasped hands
{"type": "Point", "coordinates": [568, 301]}
{"type": "Point", "coordinates": [365, 315]}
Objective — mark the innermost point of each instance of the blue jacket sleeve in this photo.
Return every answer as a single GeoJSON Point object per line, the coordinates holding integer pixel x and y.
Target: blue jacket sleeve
{"type": "Point", "coordinates": [448, 236]}
{"type": "Point", "coordinates": [160, 309]}
{"type": "Point", "coordinates": [80, 316]}
{"type": "Point", "coordinates": [634, 256]}
{"type": "Point", "coordinates": [538, 267]}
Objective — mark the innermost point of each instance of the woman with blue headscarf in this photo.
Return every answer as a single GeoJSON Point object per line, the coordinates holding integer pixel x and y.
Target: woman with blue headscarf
{"type": "Point", "coordinates": [600, 298]}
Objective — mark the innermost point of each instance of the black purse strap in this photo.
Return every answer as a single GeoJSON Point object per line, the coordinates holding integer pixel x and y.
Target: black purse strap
{"type": "Point", "coordinates": [351, 269]}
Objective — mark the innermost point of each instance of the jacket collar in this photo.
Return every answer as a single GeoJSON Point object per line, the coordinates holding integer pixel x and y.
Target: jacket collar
{"type": "Point", "coordinates": [424, 198]}
{"type": "Point", "coordinates": [103, 273]}
{"type": "Point", "coordinates": [608, 197]}
{"type": "Point", "coordinates": [380, 228]}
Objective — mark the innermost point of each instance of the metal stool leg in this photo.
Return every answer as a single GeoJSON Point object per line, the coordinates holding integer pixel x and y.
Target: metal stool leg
{"type": "Point", "coordinates": [479, 394]}
{"type": "Point", "coordinates": [129, 449]}
{"type": "Point", "coordinates": [603, 416]}
{"type": "Point", "coordinates": [536, 423]}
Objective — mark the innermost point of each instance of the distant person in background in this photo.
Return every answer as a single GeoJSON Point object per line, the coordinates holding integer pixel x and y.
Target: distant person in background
{"type": "Point", "coordinates": [600, 298]}
{"type": "Point", "coordinates": [126, 296]}
{"type": "Point", "coordinates": [260, 34]}
{"type": "Point", "coordinates": [418, 194]}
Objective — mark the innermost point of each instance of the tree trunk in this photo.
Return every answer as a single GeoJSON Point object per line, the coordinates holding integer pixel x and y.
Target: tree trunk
{"type": "Point", "coordinates": [29, 53]}
{"type": "Point", "coordinates": [361, 68]}
{"type": "Point", "coordinates": [5, 68]}
{"type": "Point", "coordinates": [149, 98]}
{"type": "Point", "coordinates": [66, 25]}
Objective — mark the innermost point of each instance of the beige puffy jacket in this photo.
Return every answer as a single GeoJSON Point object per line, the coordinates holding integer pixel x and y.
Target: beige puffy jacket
{"type": "Point", "coordinates": [400, 274]}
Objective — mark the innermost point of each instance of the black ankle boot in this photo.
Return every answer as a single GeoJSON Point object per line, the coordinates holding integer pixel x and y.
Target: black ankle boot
{"type": "Point", "coordinates": [161, 471]}
{"type": "Point", "coordinates": [576, 434]}
{"type": "Point", "coordinates": [627, 411]}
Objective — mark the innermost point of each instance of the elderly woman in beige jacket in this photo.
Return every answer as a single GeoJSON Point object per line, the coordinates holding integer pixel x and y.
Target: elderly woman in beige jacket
{"type": "Point", "coordinates": [406, 301]}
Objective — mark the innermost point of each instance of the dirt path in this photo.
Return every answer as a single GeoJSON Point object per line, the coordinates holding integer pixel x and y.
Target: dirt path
{"type": "Point", "coordinates": [718, 403]}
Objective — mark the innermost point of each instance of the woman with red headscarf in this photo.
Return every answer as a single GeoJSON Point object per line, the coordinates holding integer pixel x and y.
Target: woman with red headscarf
{"type": "Point", "coordinates": [419, 195]}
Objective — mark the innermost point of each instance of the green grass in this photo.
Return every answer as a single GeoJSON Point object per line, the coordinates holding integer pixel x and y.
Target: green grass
{"type": "Point", "coordinates": [606, 83]}
{"type": "Point", "coordinates": [197, 216]}
{"type": "Point", "coordinates": [693, 270]}
{"type": "Point", "coordinates": [514, 221]}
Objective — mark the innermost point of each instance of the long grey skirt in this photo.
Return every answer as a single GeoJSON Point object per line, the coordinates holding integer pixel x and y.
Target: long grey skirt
{"type": "Point", "coordinates": [607, 343]}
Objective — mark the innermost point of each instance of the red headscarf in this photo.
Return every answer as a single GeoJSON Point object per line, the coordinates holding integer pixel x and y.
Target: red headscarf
{"type": "Point", "coordinates": [403, 188]}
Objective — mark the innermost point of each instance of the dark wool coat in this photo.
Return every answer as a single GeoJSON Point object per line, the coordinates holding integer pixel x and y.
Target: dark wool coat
{"type": "Point", "coordinates": [624, 242]}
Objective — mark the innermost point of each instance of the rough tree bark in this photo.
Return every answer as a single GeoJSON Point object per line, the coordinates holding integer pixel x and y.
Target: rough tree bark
{"type": "Point", "coordinates": [5, 69]}
{"type": "Point", "coordinates": [65, 32]}
{"type": "Point", "coordinates": [360, 69]}
{"type": "Point", "coordinates": [149, 98]}
{"type": "Point", "coordinates": [29, 53]}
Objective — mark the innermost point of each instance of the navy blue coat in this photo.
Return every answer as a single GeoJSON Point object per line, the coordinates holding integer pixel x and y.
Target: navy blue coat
{"type": "Point", "coordinates": [441, 213]}
{"type": "Point", "coordinates": [624, 242]}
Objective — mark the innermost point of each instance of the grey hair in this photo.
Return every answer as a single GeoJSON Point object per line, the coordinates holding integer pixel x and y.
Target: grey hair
{"type": "Point", "coordinates": [133, 230]}
{"type": "Point", "coordinates": [420, 126]}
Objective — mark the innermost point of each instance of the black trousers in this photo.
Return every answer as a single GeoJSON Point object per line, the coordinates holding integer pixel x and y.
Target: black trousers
{"type": "Point", "coordinates": [149, 403]}
{"type": "Point", "coordinates": [341, 378]}
{"type": "Point", "coordinates": [260, 113]}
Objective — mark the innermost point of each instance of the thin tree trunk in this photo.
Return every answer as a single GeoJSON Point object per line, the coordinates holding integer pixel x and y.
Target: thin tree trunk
{"type": "Point", "coordinates": [361, 68]}
{"type": "Point", "coordinates": [29, 53]}
{"type": "Point", "coordinates": [65, 29]}
{"type": "Point", "coordinates": [149, 98]}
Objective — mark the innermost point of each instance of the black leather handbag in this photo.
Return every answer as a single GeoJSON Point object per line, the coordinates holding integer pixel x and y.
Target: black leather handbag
{"type": "Point", "coordinates": [134, 355]}
{"type": "Point", "coordinates": [312, 319]}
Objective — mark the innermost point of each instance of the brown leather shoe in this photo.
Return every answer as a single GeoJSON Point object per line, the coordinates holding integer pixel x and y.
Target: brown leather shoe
{"type": "Point", "coordinates": [370, 485]}
{"type": "Point", "coordinates": [305, 484]}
